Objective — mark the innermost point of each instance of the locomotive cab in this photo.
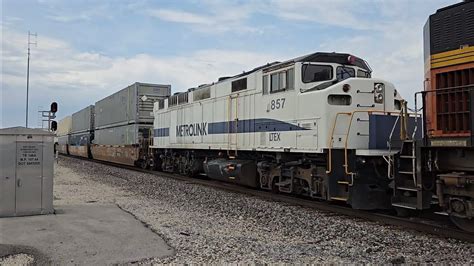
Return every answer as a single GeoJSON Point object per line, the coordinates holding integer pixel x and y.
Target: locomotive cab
{"type": "Point", "coordinates": [319, 75]}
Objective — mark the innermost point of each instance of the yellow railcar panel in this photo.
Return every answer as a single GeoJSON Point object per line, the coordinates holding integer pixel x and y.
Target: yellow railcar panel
{"type": "Point", "coordinates": [454, 57]}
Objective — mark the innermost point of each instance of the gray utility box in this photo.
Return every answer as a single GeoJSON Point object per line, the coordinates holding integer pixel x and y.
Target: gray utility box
{"type": "Point", "coordinates": [132, 105]}
{"type": "Point", "coordinates": [26, 171]}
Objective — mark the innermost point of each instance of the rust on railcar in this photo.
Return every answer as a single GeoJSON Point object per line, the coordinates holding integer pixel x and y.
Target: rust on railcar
{"type": "Point", "coordinates": [118, 154]}
{"type": "Point", "coordinates": [62, 148]}
{"type": "Point", "coordinates": [81, 151]}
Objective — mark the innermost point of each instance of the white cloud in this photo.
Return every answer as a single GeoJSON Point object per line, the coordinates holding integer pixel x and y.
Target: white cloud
{"type": "Point", "coordinates": [70, 18]}
{"type": "Point", "coordinates": [180, 16]}
{"type": "Point", "coordinates": [221, 17]}
{"type": "Point", "coordinates": [59, 11]}
{"type": "Point", "coordinates": [328, 12]}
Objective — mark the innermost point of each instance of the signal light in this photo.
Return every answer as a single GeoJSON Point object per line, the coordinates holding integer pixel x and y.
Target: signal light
{"type": "Point", "coordinates": [54, 107]}
{"type": "Point", "coordinates": [54, 125]}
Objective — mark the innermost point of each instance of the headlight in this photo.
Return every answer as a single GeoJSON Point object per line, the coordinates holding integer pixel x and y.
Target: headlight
{"type": "Point", "coordinates": [346, 87]}
{"type": "Point", "coordinates": [395, 92]}
{"type": "Point", "coordinates": [379, 87]}
{"type": "Point", "coordinates": [378, 98]}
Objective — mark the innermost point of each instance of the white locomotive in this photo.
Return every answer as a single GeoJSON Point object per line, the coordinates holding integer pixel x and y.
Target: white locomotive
{"type": "Point", "coordinates": [299, 126]}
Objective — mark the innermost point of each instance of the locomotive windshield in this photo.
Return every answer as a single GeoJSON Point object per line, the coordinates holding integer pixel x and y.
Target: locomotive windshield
{"type": "Point", "coordinates": [343, 73]}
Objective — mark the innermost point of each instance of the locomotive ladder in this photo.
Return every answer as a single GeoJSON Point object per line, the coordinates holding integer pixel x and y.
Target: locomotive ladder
{"type": "Point", "coordinates": [408, 191]}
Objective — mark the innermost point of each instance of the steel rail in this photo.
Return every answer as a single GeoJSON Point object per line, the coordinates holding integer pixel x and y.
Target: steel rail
{"type": "Point", "coordinates": [434, 227]}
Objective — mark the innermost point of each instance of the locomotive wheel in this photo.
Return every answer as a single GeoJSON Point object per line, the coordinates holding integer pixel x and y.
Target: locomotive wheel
{"type": "Point", "coordinates": [275, 188]}
{"type": "Point", "coordinates": [156, 164]}
{"type": "Point", "coordinates": [463, 223]}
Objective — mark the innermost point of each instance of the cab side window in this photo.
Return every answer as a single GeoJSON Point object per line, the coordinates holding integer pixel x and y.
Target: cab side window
{"type": "Point", "coordinates": [279, 81]}
{"type": "Point", "coordinates": [363, 74]}
{"type": "Point", "coordinates": [314, 73]}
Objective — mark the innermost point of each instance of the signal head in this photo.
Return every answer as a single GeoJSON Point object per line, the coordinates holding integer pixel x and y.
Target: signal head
{"type": "Point", "coordinates": [54, 125]}
{"type": "Point", "coordinates": [54, 107]}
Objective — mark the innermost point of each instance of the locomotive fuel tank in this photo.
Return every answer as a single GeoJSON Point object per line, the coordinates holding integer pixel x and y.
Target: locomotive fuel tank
{"type": "Point", "coordinates": [243, 172]}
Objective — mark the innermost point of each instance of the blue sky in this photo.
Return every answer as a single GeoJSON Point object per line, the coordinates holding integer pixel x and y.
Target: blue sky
{"type": "Point", "coordinates": [89, 49]}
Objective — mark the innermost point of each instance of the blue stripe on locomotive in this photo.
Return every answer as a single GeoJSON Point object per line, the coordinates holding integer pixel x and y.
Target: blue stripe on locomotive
{"type": "Point", "coordinates": [243, 126]}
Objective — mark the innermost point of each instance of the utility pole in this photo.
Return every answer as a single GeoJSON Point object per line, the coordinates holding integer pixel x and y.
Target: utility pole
{"type": "Point", "coordinates": [28, 72]}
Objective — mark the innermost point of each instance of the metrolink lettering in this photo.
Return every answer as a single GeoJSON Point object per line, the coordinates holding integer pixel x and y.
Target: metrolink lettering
{"type": "Point", "coordinates": [191, 130]}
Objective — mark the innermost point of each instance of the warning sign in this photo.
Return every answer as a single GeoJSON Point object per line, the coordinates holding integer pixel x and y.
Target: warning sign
{"type": "Point", "coordinates": [29, 155]}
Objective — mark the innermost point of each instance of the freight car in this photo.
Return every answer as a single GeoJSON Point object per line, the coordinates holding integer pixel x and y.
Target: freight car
{"type": "Point", "coordinates": [116, 129]}
{"type": "Point", "coordinates": [300, 126]}
{"type": "Point", "coordinates": [123, 122]}
{"type": "Point", "coordinates": [64, 134]}
{"type": "Point", "coordinates": [82, 132]}
{"type": "Point", "coordinates": [439, 168]}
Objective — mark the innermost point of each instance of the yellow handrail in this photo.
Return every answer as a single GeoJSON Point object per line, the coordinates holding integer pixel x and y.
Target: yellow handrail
{"type": "Point", "coordinates": [369, 112]}
{"type": "Point", "coordinates": [331, 142]}
{"type": "Point", "coordinates": [331, 137]}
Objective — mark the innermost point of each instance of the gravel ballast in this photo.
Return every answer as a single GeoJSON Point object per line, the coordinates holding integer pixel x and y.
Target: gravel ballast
{"type": "Point", "coordinates": [17, 259]}
{"type": "Point", "coordinates": [206, 225]}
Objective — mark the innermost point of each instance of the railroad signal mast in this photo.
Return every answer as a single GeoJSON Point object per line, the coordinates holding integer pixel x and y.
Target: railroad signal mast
{"type": "Point", "coordinates": [28, 72]}
{"type": "Point", "coordinates": [48, 116]}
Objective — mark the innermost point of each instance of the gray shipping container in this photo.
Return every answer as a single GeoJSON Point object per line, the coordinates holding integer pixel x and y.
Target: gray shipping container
{"type": "Point", "coordinates": [134, 104]}
{"type": "Point", "coordinates": [121, 135]}
{"type": "Point", "coordinates": [83, 120]}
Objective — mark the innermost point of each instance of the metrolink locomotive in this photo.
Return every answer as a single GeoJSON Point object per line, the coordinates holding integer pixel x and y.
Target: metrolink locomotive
{"type": "Point", "coordinates": [316, 125]}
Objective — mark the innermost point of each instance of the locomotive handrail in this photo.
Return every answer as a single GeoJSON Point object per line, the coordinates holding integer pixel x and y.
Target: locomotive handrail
{"type": "Point", "coordinates": [348, 130]}
{"type": "Point", "coordinates": [465, 87]}
{"type": "Point", "coordinates": [233, 122]}
{"type": "Point", "coordinates": [331, 137]}
{"type": "Point", "coordinates": [346, 165]}
{"type": "Point", "coordinates": [389, 142]}
{"type": "Point", "coordinates": [423, 93]}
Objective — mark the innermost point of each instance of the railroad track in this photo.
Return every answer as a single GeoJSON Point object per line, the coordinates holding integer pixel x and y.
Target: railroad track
{"type": "Point", "coordinates": [439, 227]}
